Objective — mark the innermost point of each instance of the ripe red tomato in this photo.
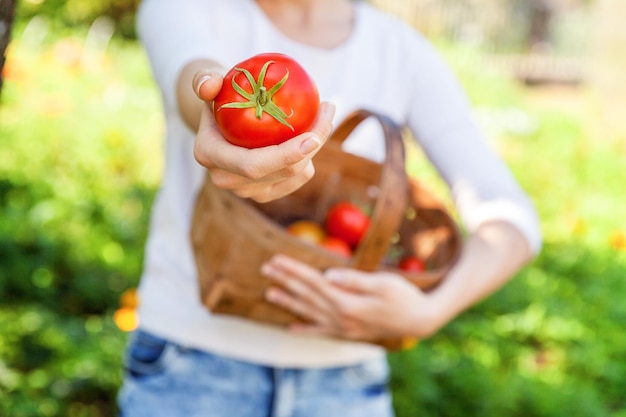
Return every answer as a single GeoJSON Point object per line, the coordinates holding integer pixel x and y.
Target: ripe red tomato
{"type": "Point", "coordinates": [307, 230]}
{"type": "Point", "coordinates": [347, 222]}
{"type": "Point", "coordinates": [265, 100]}
{"type": "Point", "coordinates": [411, 264]}
{"type": "Point", "coordinates": [336, 245]}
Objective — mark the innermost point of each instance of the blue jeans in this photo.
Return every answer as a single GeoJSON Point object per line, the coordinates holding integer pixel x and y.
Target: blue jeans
{"type": "Point", "coordinates": [164, 379]}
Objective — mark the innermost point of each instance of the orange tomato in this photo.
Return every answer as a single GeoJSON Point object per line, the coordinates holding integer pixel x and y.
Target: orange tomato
{"type": "Point", "coordinates": [307, 230]}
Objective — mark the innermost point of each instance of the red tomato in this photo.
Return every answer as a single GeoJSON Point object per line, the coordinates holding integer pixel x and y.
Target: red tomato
{"type": "Point", "coordinates": [307, 230]}
{"type": "Point", "coordinates": [337, 245]}
{"type": "Point", "coordinates": [411, 264]}
{"type": "Point", "coordinates": [347, 222]}
{"type": "Point", "coordinates": [265, 100]}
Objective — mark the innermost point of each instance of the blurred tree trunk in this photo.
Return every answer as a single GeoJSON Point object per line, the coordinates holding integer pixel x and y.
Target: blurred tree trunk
{"type": "Point", "coordinates": [541, 13]}
{"type": "Point", "coordinates": [7, 14]}
{"type": "Point", "coordinates": [608, 65]}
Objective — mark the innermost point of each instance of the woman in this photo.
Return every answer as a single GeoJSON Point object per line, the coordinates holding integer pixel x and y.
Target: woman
{"type": "Point", "coordinates": [184, 361]}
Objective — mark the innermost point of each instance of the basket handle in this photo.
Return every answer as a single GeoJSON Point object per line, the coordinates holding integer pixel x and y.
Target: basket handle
{"type": "Point", "coordinates": [392, 198]}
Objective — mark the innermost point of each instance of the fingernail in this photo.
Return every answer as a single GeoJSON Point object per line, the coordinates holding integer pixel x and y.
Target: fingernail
{"type": "Point", "coordinates": [270, 295]}
{"type": "Point", "coordinates": [333, 276]}
{"type": "Point", "coordinates": [309, 145]}
{"type": "Point", "coordinates": [201, 81]}
{"type": "Point", "coordinates": [330, 110]}
{"type": "Point", "coordinates": [266, 269]}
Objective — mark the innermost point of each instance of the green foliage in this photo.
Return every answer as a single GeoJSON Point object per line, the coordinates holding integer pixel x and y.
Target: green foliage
{"type": "Point", "coordinates": [551, 343]}
{"type": "Point", "coordinates": [57, 365]}
{"type": "Point", "coordinates": [80, 13]}
{"type": "Point", "coordinates": [80, 164]}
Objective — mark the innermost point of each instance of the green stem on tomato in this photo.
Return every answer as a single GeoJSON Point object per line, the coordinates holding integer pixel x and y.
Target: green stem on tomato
{"type": "Point", "coordinates": [261, 98]}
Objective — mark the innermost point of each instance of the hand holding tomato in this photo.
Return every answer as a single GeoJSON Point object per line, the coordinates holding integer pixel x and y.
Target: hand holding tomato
{"type": "Point", "coordinates": [262, 174]}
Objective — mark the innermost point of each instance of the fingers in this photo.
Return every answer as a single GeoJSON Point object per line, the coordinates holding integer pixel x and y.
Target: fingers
{"type": "Point", "coordinates": [207, 83]}
{"type": "Point", "coordinates": [268, 159]}
{"type": "Point", "coordinates": [276, 189]}
{"type": "Point", "coordinates": [232, 165]}
{"type": "Point", "coordinates": [297, 296]}
{"type": "Point", "coordinates": [260, 162]}
{"type": "Point", "coordinates": [355, 281]}
{"type": "Point", "coordinates": [323, 126]}
{"type": "Point", "coordinates": [350, 304]}
{"type": "Point", "coordinates": [283, 268]}
{"type": "Point", "coordinates": [263, 173]}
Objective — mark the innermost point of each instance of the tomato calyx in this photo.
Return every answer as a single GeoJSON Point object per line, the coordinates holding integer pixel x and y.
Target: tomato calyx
{"type": "Point", "coordinates": [261, 98]}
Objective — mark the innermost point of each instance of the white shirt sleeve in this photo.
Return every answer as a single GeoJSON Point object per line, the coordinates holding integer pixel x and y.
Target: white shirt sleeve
{"type": "Point", "coordinates": [482, 186]}
{"type": "Point", "coordinates": [173, 33]}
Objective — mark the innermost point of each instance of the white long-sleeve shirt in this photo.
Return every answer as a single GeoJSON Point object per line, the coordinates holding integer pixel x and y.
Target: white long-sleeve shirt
{"type": "Point", "coordinates": [385, 66]}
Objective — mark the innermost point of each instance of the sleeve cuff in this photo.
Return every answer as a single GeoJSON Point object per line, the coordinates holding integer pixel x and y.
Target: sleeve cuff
{"type": "Point", "coordinates": [523, 219]}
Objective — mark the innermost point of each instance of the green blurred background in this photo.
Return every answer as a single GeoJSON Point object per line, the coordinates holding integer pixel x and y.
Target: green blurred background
{"type": "Point", "coordinates": [81, 131]}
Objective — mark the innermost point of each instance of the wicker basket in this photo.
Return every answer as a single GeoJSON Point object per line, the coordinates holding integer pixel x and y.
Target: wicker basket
{"type": "Point", "coordinates": [232, 237]}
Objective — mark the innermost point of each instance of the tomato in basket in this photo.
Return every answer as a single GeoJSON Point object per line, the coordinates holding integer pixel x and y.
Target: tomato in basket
{"type": "Point", "coordinates": [337, 246]}
{"type": "Point", "coordinates": [307, 230]}
{"type": "Point", "coordinates": [266, 100]}
{"type": "Point", "coordinates": [411, 263]}
{"type": "Point", "coordinates": [348, 222]}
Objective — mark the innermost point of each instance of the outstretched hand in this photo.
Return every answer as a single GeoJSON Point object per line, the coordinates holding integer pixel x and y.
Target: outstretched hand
{"type": "Point", "coordinates": [262, 174]}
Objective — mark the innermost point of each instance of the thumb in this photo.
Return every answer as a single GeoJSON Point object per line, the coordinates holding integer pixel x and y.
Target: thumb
{"type": "Point", "coordinates": [207, 84]}
{"type": "Point", "coordinates": [353, 280]}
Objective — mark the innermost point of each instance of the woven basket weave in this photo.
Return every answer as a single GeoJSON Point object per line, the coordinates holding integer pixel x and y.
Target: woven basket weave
{"type": "Point", "coordinates": [232, 237]}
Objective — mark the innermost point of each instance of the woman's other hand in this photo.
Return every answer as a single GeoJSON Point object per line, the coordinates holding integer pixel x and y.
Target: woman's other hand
{"type": "Point", "coordinates": [349, 304]}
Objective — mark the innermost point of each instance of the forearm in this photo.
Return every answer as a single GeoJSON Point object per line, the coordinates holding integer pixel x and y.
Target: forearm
{"type": "Point", "coordinates": [491, 256]}
{"type": "Point", "coordinates": [189, 105]}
